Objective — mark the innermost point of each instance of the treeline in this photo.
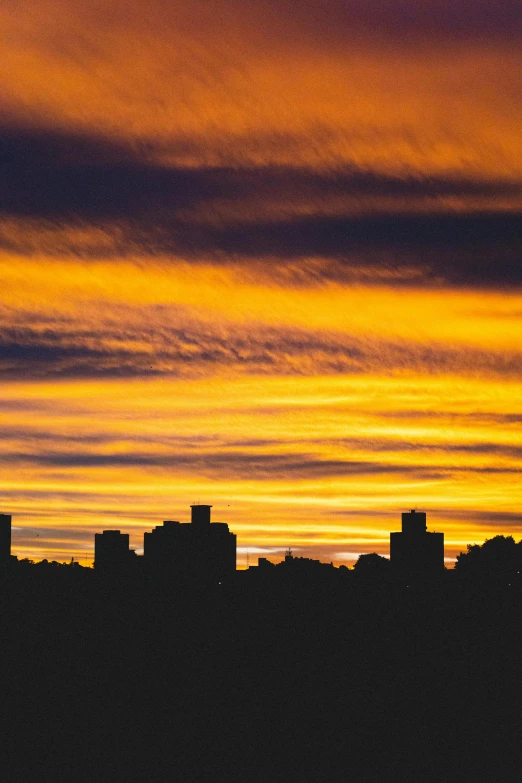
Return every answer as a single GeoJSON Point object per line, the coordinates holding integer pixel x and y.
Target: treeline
{"type": "Point", "coordinates": [498, 560]}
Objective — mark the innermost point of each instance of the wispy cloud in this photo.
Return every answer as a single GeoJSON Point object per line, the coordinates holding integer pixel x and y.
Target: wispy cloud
{"type": "Point", "coordinates": [130, 351]}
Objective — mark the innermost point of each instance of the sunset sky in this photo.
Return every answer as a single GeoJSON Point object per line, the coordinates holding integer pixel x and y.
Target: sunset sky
{"type": "Point", "coordinates": [265, 255]}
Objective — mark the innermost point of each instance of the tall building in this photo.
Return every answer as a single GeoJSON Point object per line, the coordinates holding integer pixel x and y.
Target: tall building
{"type": "Point", "coordinates": [5, 537]}
{"type": "Point", "coordinates": [414, 552]}
{"type": "Point", "coordinates": [111, 551]}
{"type": "Point", "coordinates": [199, 551]}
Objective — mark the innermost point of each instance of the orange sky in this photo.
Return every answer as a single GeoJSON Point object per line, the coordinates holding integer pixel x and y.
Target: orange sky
{"type": "Point", "coordinates": [264, 258]}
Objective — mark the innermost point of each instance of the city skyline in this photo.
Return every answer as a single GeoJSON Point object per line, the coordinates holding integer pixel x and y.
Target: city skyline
{"type": "Point", "coordinates": [266, 256]}
{"type": "Point", "coordinates": [175, 548]}
{"type": "Point", "coordinates": [205, 553]}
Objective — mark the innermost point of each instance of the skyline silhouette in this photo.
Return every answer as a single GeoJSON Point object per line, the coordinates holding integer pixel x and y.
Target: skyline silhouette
{"type": "Point", "coordinates": [121, 672]}
{"type": "Point", "coordinates": [205, 552]}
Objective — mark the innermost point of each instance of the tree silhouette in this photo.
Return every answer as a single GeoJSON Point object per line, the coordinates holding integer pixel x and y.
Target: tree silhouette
{"type": "Point", "coordinates": [497, 560]}
{"type": "Point", "coordinates": [372, 565]}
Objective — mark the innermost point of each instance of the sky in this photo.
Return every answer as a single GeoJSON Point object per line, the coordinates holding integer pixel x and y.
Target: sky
{"type": "Point", "coordinates": [265, 256]}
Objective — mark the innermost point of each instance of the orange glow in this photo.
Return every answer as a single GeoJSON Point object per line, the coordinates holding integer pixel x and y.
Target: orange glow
{"type": "Point", "coordinates": [189, 441]}
{"type": "Point", "coordinates": [239, 89]}
{"type": "Point", "coordinates": [127, 290]}
{"type": "Point", "coordinates": [186, 339]}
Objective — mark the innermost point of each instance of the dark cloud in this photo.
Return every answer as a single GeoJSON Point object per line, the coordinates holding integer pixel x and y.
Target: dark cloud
{"type": "Point", "coordinates": [91, 183]}
{"type": "Point", "coordinates": [41, 359]}
{"type": "Point", "coordinates": [474, 249]}
{"type": "Point", "coordinates": [238, 465]}
{"type": "Point", "coordinates": [15, 433]}
{"type": "Point", "coordinates": [204, 444]}
{"type": "Point", "coordinates": [269, 23]}
{"type": "Point", "coordinates": [478, 449]}
{"type": "Point", "coordinates": [50, 174]}
{"type": "Point", "coordinates": [496, 449]}
{"type": "Point", "coordinates": [200, 350]}
{"type": "Point", "coordinates": [44, 149]}
{"type": "Point", "coordinates": [502, 519]}
{"type": "Point", "coordinates": [230, 464]}
{"type": "Point", "coordinates": [485, 417]}
{"type": "Point", "coordinates": [402, 20]}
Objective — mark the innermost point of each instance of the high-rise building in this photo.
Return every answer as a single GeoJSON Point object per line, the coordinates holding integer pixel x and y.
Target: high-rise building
{"type": "Point", "coordinates": [111, 551]}
{"type": "Point", "coordinates": [414, 552]}
{"type": "Point", "coordinates": [201, 516]}
{"type": "Point", "coordinates": [199, 551]}
{"type": "Point", "coordinates": [5, 537]}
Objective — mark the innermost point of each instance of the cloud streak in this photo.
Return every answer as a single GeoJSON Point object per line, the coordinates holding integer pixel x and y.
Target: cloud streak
{"type": "Point", "coordinates": [50, 353]}
{"type": "Point", "coordinates": [47, 173]}
{"type": "Point", "coordinates": [100, 197]}
{"type": "Point", "coordinates": [259, 467]}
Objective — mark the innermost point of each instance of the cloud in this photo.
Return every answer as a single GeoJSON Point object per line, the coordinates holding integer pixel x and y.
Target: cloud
{"type": "Point", "coordinates": [272, 23]}
{"type": "Point", "coordinates": [208, 451]}
{"type": "Point", "coordinates": [507, 520]}
{"type": "Point", "coordinates": [464, 250]}
{"type": "Point", "coordinates": [237, 464]}
{"type": "Point", "coordinates": [491, 418]}
{"type": "Point", "coordinates": [87, 196]}
{"type": "Point", "coordinates": [233, 465]}
{"type": "Point", "coordinates": [52, 174]}
{"type": "Point", "coordinates": [363, 81]}
{"type": "Point", "coordinates": [443, 20]}
{"type": "Point", "coordinates": [203, 349]}
{"type": "Point", "coordinates": [392, 445]}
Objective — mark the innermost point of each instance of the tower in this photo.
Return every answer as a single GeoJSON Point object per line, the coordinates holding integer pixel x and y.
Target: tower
{"type": "Point", "coordinates": [414, 552]}
{"type": "Point", "coordinates": [197, 553]}
{"type": "Point", "coordinates": [111, 551]}
{"type": "Point", "coordinates": [200, 516]}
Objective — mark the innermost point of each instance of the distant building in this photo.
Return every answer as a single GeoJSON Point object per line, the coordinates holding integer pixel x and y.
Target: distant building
{"type": "Point", "coordinates": [291, 569]}
{"type": "Point", "coordinates": [264, 564]}
{"type": "Point", "coordinates": [111, 551]}
{"type": "Point", "coordinates": [199, 551]}
{"type": "Point", "coordinates": [5, 538]}
{"type": "Point", "coordinates": [414, 552]}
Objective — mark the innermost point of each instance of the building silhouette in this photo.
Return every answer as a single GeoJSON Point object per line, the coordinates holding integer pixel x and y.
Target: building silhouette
{"type": "Point", "coordinates": [293, 566]}
{"type": "Point", "coordinates": [5, 538]}
{"type": "Point", "coordinates": [198, 551]}
{"type": "Point", "coordinates": [416, 553]}
{"type": "Point", "coordinates": [301, 572]}
{"type": "Point", "coordinates": [111, 551]}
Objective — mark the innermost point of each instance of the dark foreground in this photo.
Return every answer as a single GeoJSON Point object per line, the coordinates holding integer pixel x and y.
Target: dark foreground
{"type": "Point", "coordinates": [366, 682]}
